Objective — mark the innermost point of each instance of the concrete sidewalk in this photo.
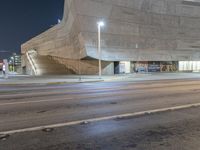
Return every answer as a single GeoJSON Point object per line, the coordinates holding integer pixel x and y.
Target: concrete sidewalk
{"type": "Point", "coordinates": [45, 80]}
{"type": "Point", "coordinates": [57, 79]}
{"type": "Point", "coordinates": [18, 79]}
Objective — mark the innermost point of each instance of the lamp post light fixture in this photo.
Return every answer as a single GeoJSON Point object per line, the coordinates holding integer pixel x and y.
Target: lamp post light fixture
{"type": "Point", "coordinates": [100, 24]}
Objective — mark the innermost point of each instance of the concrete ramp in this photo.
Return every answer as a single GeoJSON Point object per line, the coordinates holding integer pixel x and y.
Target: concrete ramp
{"type": "Point", "coordinates": [45, 65]}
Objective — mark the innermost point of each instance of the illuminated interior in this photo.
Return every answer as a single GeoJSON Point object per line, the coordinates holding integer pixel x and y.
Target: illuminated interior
{"type": "Point", "coordinates": [125, 67]}
{"type": "Point", "coordinates": [189, 66]}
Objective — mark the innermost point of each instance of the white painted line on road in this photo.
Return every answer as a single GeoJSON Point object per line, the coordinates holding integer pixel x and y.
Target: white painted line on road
{"type": "Point", "coordinates": [62, 91]}
{"type": "Point", "coordinates": [81, 91]}
{"type": "Point", "coordinates": [39, 101]}
{"type": "Point", "coordinates": [135, 114]}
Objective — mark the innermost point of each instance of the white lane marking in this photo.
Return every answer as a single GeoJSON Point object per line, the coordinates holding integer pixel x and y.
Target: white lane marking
{"type": "Point", "coordinates": [63, 91]}
{"type": "Point", "coordinates": [135, 114]}
{"type": "Point", "coordinates": [39, 101]}
{"type": "Point", "coordinates": [106, 90]}
{"type": "Point", "coordinates": [99, 89]}
{"type": "Point", "coordinates": [83, 96]}
{"type": "Point", "coordinates": [54, 100]}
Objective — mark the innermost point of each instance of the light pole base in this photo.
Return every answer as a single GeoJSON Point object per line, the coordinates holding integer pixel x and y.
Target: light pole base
{"type": "Point", "coordinates": [80, 79]}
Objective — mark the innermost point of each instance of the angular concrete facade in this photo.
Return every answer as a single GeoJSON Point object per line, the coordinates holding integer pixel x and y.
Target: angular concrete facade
{"type": "Point", "coordinates": [135, 30]}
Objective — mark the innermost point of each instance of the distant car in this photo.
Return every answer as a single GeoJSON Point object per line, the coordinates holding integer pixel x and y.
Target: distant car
{"type": "Point", "coordinates": [141, 69]}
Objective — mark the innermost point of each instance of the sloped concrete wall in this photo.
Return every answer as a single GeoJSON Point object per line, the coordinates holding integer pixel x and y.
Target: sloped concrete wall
{"type": "Point", "coordinates": [63, 40]}
{"type": "Point", "coordinates": [86, 67]}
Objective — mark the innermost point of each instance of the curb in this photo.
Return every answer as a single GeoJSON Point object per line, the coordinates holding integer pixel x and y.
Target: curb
{"type": "Point", "coordinates": [59, 83]}
{"type": "Point", "coordinates": [50, 83]}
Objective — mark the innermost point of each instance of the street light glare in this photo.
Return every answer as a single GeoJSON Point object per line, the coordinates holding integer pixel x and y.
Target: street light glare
{"type": "Point", "coordinates": [101, 23]}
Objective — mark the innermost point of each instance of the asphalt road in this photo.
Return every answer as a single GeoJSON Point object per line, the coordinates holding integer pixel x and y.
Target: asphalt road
{"type": "Point", "coordinates": [28, 106]}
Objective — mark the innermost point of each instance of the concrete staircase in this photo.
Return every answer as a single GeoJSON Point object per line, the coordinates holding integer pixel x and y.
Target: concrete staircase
{"type": "Point", "coordinates": [46, 66]}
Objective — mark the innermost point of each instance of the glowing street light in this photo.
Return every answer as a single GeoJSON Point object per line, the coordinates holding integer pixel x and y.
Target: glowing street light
{"type": "Point", "coordinates": [100, 24]}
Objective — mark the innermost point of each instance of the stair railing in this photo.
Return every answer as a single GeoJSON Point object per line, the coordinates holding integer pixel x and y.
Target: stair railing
{"type": "Point", "coordinates": [30, 59]}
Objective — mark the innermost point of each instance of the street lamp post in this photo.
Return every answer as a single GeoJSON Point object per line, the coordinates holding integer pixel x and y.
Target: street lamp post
{"type": "Point", "coordinates": [13, 64]}
{"type": "Point", "coordinates": [79, 66]}
{"type": "Point", "coordinates": [100, 24]}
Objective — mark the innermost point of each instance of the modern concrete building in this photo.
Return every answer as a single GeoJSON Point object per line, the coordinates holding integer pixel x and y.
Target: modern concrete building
{"type": "Point", "coordinates": [141, 35]}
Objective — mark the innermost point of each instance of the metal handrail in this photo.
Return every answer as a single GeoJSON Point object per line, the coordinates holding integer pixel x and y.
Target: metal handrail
{"type": "Point", "coordinates": [31, 61]}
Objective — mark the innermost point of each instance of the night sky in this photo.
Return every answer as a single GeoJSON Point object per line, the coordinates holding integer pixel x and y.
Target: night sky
{"type": "Point", "coordinates": [20, 20]}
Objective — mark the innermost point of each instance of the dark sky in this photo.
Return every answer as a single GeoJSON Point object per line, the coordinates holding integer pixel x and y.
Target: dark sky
{"type": "Point", "coordinates": [21, 20]}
